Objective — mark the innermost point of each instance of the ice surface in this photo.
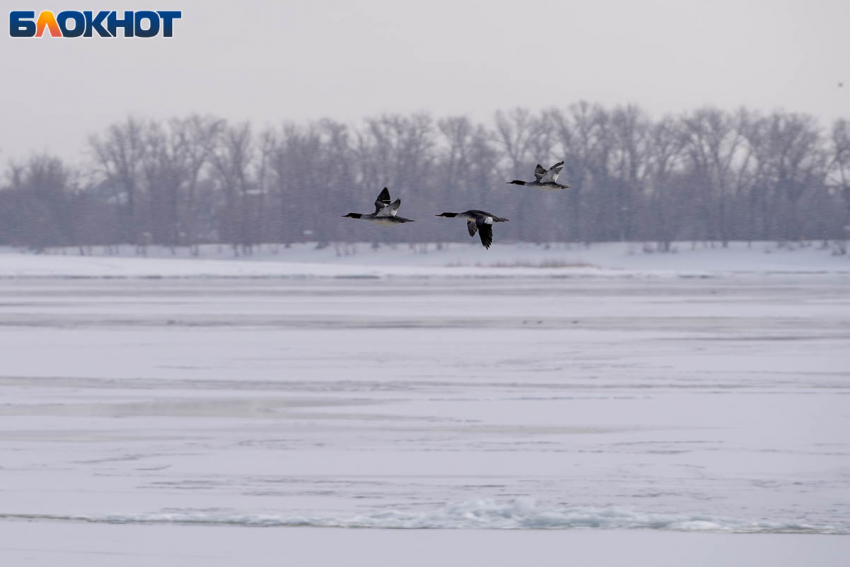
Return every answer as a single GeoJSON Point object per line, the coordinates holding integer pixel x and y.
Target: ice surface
{"type": "Point", "coordinates": [73, 544]}
{"type": "Point", "coordinates": [712, 404]}
{"type": "Point", "coordinates": [450, 260]}
{"type": "Point", "coordinates": [482, 514]}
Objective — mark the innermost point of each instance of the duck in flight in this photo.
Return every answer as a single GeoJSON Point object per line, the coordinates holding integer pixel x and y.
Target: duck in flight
{"type": "Point", "coordinates": [478, 221]}
{"type": "Point", "coordinates": [386, 213]}
{"type": "Point", "coordinates": [544, 179]}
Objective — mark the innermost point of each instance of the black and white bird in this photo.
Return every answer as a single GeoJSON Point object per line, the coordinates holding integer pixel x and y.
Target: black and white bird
{"type": "Point", "coordinates": [478, 221]}
{"type": "Point", "coordinates": [386, 213]}
{"type": "Point", "coordinates": [545, 179]}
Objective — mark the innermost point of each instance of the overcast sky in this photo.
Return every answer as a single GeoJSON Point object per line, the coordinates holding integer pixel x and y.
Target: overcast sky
{"type": "Point", "coordinates": [273, 60]}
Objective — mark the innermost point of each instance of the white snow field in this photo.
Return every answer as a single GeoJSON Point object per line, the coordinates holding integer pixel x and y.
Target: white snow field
{"type": "Point", "coordinates": [529, 407]}
{"type": "Point", "coordinates": [450, 260]}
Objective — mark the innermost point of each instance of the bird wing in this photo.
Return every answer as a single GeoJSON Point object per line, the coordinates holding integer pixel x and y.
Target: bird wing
{"type": "Point", "coordinates": [471, 227]}
{"type": "Point", "coordinates": [552, 174]}
{"type": "Point", "coordinates": [382, 201]}
{"type": "Point", "coordinates": [539, 172]}
{"type": "Point", "coordinates": [485, 231]}
{"type": "Point", "coordinates": [393, 208]}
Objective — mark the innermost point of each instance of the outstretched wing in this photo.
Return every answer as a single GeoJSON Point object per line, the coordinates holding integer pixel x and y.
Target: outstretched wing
{"type": "Point", "coordinates": [539, 172]}
{"type": "Point", "coordinates": [471, 227]}
{"type": "Point", "coordinates": [392, 210]}
{"type": "Point", "coordinates": [552, 174]}
{"type": "Point", "coordinates": [382, 201]}
{"type": "Point", "coordinates": [485, 231]}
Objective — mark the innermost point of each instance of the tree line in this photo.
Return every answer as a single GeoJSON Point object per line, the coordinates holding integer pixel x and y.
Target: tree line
{"type": "Point", "coordinates": [705, 175]}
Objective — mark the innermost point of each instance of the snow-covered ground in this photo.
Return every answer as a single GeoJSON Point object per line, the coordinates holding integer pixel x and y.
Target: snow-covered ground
{"type": "Point", "coordinates": [653, 419]}
{"type": "Point", "coordinates": [449, 260]}
{"type": "Point", "coordinates": [110, 545]}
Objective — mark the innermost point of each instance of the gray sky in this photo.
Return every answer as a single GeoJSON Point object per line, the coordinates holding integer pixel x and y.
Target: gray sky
{"type": "Point", "coordinates": [273, 60]}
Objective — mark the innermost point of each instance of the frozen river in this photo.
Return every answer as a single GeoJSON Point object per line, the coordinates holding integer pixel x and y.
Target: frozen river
{"type": "Point", "coordinates": [683, 404]}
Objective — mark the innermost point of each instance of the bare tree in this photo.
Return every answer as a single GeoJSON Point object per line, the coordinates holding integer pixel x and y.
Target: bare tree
{"type": "Point", "coordinates": [664, 199]}
{"type": "Point", "coordinates": [37, 202]}
{"type": "Point", "coordinates": [629, 133]}
{"type": "Point", "coordinates": [792, 165]}
{"type": "Point", "coordinates": [708, 174]}
{"type": "Point", "coordinates": [713, 141]}
{"type": "Point", "coordinates": [233, 158]}
{"type": "Point", "coordinates": [198, 136]}
{"type": "Point", "coordinates": [119, 154]}
{"type": "Point", "coordinates": [839, 172]}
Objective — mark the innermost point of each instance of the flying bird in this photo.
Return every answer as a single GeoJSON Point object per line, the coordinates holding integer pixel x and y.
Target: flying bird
{"type": "Point", "coordinates": [478, 221]}
{"type": "Point", "coordinates": [386, 213]}
{"type": "Point", "coordinates": [545, 179]}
